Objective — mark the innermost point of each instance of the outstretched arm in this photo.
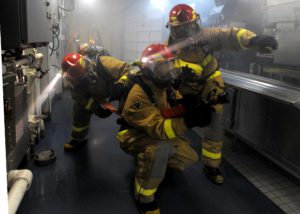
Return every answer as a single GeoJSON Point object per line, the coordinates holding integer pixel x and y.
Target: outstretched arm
{"type": "Point", "coordinates": [236, 39]}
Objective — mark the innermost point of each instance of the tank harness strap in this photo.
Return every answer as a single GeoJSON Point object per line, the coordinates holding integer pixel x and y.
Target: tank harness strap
{"type": "Point", "coordinates": [146, 89]}
{"type": "Point", "coordinates": [138, 80]}
{"type": "Point", "coordinates": [171, 97]}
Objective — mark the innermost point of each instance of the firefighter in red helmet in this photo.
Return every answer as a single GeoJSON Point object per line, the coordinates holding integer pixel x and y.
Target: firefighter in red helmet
{"type": "Point", "coordinates": [194, 46]}
{"type": "Point", "coordinates": [155, 140]}
{"type": "Point", "coordinates": [78, 71]}
{"type": "Point", "coordinates": [91, 83]}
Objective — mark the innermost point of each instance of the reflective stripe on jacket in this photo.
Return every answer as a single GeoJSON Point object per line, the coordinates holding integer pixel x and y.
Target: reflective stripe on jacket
{"type": "Point", "coordinates": [145, 117]}
{"type": "Point", "coordinates": [203, 63]}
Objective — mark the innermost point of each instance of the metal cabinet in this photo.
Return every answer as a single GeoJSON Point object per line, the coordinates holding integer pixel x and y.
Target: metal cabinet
{"type": "Point", "coordinates": [252, 117]}
{"type": "Point", "coordinates": [16, 121]}
{"type": "Point", "coordinates": [9, 112]}
{"type": "Point", "coordinates": [229, 110]}
{"type": "Point", "coordinates": [270, 126]}
{"type": "Point", "coordinates": [284, 134]}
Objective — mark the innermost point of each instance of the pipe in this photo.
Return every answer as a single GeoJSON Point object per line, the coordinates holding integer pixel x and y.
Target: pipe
{"type": "Point", "coordinates": [38, 60]}
{"type": "Point", "coordinates": [24, 60]}
{"type": "Point", "coordinates": [19, 182]}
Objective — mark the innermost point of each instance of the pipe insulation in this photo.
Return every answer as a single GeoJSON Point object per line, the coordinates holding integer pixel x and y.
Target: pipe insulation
{"type": "Point", "coordinates": [19, 182]}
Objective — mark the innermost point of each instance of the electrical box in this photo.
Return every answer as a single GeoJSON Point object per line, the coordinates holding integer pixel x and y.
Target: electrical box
{"type": "Point", "coordinates": [25, 23]}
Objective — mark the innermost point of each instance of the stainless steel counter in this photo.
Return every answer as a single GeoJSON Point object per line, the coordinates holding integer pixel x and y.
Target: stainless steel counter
{"type": "Point", "coordinates": [264, 86]}
{"type": "Point", "coordinates": [265, 114]}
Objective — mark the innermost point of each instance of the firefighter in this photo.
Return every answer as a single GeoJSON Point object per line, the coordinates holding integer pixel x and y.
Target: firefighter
{"type": "Point", "coordinates": [155, 140]}
{"type": "Point", "coordinates": [91, 83]}
{"type": "Point", "coordinates": [92, 50]}
{"type": "Point", "coordinates": [194, 46]}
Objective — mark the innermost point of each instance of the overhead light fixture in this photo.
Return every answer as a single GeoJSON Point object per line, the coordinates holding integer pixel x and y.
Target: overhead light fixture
{"type": "Point", "coordinates": [193, 5]}
{"type": "Point", "coordinates": [88, 1]}
{"type": "Point", "coordinates": [159, 4]}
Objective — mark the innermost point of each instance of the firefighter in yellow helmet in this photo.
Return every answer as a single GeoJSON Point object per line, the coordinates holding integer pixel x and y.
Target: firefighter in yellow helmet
{"type": "Point", "coordinates": [91, 83]}
{"type": "Point", "coordinates": [194, 46]}
{"type": "Point", "coordinates": [155, 140]}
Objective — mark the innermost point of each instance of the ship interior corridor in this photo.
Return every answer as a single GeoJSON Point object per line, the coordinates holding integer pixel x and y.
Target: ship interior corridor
{"type": "Point", "coordinates": [86, 82]}
{"type": "Point", "coordinates": [99, 177]}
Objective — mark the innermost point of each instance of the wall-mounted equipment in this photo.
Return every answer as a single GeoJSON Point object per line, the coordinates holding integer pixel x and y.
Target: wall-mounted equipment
{"type": "Point", "coordinates": [25, 23]}
{"type": "Point", "coordinates": [16, 121]}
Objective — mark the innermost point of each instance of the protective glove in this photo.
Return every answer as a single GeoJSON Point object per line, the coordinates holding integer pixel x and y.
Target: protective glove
{"type": "Point", "coordinates": [189, 101]}
{"type": "Point", "coordinates": [198, 113]}
{"type": "Point", "coordinates": [176, 83]}
{"type": "Point", "coordinates": [264, 43]}
{"type": "Point", "coordinates": [200, 116]}
{"type": "Point", "coordinates": [117, 91]}
{"type": "Point", "coordinates": [101, 112]}
{"type": "Point", "coordinates": [188, 74]}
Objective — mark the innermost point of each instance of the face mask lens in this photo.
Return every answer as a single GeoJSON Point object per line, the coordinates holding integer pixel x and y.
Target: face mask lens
{"type": "Point", "coordinates": [185, 30]}
{"type": "Point", "coordinates": [166, 70]}
{"type": "Point", "coordinates": [69, 81]}
{"type": "Point", "coordinates": [178, 32]}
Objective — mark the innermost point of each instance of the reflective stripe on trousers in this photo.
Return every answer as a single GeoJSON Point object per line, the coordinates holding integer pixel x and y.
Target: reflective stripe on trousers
{"type": "Point", "coordinates": [120, 134]}
{"type": "Point", "coordinates": [152, 166]}
{"type": "Point", "coordinates": [140, 190]}
{"type": "Point", "coordinates": [89, 104]}
{"type": "Point", "coordinates": [79, 132]}
{"type": "Point", "coordinates": [211, 155]}
{"type": "Point", "coordinates": [79, 129]}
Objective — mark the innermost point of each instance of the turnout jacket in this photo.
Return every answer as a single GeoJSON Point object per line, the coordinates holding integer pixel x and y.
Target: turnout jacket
{"type": "Point", "coordinates": [109, 71]}
{"type": "Point", "coordinates": [198, 56]}
{"type": "Point", "coordinates": [145, 118]}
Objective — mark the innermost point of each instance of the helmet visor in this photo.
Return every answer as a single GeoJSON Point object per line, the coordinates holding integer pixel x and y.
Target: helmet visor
{"type": "Point", "coordinates": [185, 30]}
{"type": "Point", "coordinates": [165, 71]}
{"type": "Point", "coordinates": [80, 76]}
{"type": "Point", "coordinates": [69, 80]}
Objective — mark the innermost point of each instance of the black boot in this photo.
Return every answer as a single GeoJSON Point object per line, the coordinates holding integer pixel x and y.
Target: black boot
{"type": "Point", "coordinates": [74, 145]}
{"type": "Point", "coordinates": [148, 208]}
{"type": "Point", "coordinates": [214, 174]}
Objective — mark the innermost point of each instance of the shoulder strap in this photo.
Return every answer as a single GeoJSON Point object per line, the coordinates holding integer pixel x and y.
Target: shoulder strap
{"type": "Point", "coordinates": [145, 88]}
{"type": "Point", "coordinates": [171, 96]}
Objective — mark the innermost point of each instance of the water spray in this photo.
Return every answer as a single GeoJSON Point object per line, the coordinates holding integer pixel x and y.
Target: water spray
{"type": "Point", "coordinates": [41, 99]}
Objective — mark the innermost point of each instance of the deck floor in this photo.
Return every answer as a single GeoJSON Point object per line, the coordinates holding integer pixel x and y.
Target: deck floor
{"type": "Point", "coordinates": [99, 178]}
